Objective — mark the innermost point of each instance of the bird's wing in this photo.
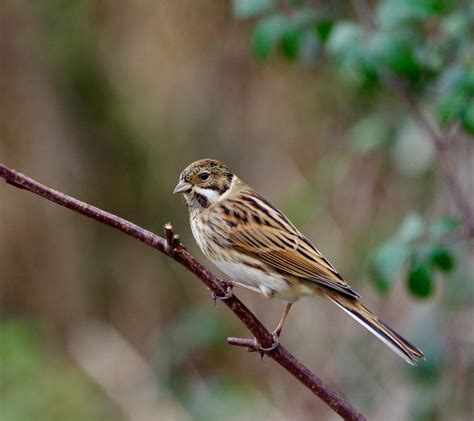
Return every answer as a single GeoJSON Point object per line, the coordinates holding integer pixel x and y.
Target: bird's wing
{"type": "Point", "coordinates": [268, 235]}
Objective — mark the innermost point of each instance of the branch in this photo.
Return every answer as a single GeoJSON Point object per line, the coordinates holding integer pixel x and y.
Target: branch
{"type": "Point", "coordinates": [172, 247]}
{"type": "Point", "coordinates": [441, 144]}
{"type": "Point", "coordinates": [441, 141]}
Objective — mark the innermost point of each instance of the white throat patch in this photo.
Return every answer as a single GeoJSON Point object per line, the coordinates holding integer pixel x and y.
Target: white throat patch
{"type": "Point", "coordinates": [211, 195]}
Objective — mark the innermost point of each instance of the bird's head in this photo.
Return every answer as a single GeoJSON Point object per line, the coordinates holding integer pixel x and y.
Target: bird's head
{"type": "Point", "coordinates": [204, 182]}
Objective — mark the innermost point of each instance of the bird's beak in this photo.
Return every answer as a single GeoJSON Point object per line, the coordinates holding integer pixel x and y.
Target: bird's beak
{"type": "Point", "coordinates": [182, 187]}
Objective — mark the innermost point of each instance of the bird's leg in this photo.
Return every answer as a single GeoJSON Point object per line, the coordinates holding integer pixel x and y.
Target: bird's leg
{"type": "Point", "coordinates": [239, 284]}
{"type": "Point", "coordinates": [277, 332]}
{"type": "Point", "coordinates": [231, 283]}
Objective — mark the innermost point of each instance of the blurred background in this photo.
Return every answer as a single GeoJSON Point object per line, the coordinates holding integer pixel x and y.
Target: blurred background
{"type": "Point", "coordinates": [108, 101]}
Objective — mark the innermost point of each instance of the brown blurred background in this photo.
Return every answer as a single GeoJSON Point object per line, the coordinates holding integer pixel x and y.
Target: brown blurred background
{"type": "Point", "coordinates": [108, 101]}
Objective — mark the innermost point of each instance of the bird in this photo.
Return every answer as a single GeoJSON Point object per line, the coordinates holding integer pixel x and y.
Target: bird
{"type": "Point", "coordinates": [257, 246]}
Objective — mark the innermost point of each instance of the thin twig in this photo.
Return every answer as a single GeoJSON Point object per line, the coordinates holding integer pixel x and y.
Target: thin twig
{"type": "Point", "coordinates": [172, 247]}
{"type": "Point", "coordinates": [251, 344]}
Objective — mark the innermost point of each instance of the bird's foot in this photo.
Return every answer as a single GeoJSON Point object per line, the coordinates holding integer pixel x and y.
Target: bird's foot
{"type": "Point", "coordinates": [265, 350]}
{"type": "Point", "coordinates": [228, 294]}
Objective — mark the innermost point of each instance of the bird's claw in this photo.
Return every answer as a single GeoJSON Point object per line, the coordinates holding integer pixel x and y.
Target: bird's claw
{"type": "Point", "coordinates": [262, 350]}
{"type": "Point", "coordinates": [274, 345]}
{"type": "Point", "coordinates": [228, 294]}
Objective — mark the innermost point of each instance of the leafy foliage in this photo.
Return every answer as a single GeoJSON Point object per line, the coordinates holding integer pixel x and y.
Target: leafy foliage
{"type": "Point", "coordinates": [418, 248]}
{"type": "Point", "coordinates": [426, 45]}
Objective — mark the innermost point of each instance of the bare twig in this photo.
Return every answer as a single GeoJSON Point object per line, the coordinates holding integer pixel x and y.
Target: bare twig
{"type": "Point", "coordinates": [441, 141]}
{"type": "Point", "coordinates": [251, 344]}
{"type": "Point", "coordinates": [172, 247]}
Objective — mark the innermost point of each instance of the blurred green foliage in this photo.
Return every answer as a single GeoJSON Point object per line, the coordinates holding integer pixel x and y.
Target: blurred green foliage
{"type": "Point", "coordinates": [417, 249]}
{"type": "Point", "coordinates": [37, 383]}
{"type": "Point", "coordinates": [426, 45]}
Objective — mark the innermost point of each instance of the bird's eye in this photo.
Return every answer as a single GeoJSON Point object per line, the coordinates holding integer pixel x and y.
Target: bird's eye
{"type": "Point", "coordinates": [204, 176]}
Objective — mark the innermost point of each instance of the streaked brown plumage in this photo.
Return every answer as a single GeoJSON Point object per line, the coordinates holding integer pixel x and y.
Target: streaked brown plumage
{"type": "Point", "coordinates": [257, 246]}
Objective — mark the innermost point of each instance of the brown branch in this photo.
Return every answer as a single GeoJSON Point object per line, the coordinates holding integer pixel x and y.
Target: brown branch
{"type": "Point", "coordinates": [172, 247]}
{"type": "Point", "coordinates": [441, 141]}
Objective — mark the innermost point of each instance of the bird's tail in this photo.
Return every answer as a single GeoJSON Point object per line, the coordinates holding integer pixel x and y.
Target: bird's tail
{"type": "Point", "coordinates": [409, 352]}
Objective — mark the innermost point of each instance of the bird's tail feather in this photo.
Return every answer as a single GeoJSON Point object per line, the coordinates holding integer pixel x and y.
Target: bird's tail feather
{"type": "Point", "coordinates": [409, 352]}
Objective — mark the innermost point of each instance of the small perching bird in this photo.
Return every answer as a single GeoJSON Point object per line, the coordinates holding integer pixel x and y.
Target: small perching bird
{"type": "Point", "coordinates": [255, 244]}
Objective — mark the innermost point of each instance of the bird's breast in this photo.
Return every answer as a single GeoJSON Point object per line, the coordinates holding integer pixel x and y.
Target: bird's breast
{"type": "Point", "coordinates": [238, 266]}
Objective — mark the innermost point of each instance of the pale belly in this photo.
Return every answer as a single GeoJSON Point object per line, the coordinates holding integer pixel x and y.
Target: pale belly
{"type": "Point", "coordinates": [269, 284]}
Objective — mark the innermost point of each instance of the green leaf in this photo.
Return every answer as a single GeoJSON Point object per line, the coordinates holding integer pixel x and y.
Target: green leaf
{"type": "Point", "coordinates": [267, 33]}
{"type": "Point", "coordinates": [367, 67]}
{"type": "Point", "coordinates": [323, 29]}
{"type": "Point", "coordinates": [420, 280]}
{"type": "Point", "coordinates": [396, 54]}
{"type": "Point", "coordinates": [456, 105]}
{"type": "Point", "coordinates": [387, 262]}
{"type": "Point", "coordinates": [450, 108]}
{"type": "Point", "coordinates": [442, 226]}
{"type": "Point", "coordinates": [250, 8]}
{"type": "Point", "coordinates": [290, 42]}
{"type": "Point", "coordinates": [442, 258]}
{"type": "Point", "coordinates": [344, 39]}
{"type": "Point", "coordinates": [467, 117]}
{"type": "Point", "coordinates": [412, 228]}
{"type": "Point", "coordinates": [347, 45]}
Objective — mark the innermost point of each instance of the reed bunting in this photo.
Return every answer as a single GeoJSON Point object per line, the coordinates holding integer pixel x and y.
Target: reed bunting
{"type": "Point", "coordinates": [255, 244]}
